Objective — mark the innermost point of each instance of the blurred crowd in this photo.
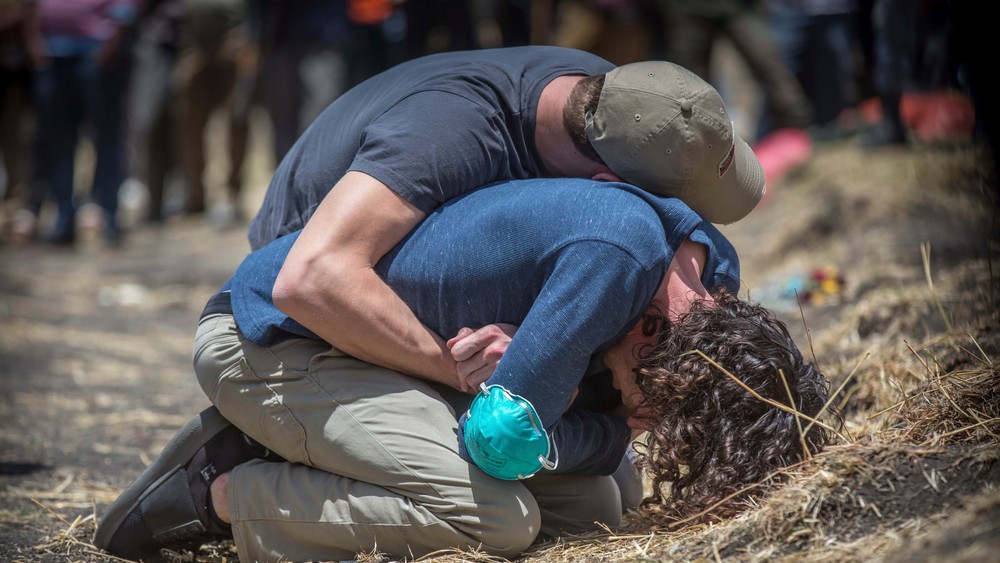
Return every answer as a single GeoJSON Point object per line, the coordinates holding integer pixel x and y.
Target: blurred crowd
{"type": "Point", "coordinates": [130, 86]}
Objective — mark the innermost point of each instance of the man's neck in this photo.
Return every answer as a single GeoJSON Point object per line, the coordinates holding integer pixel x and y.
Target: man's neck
{"type": "Point", "coordinates": [555, 147]}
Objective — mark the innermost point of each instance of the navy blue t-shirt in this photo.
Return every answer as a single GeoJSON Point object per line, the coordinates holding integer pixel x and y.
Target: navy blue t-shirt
{"type": "Point", "coordinates": [430, 129]}
{"type": "Point", "coordinates": [573, 263]}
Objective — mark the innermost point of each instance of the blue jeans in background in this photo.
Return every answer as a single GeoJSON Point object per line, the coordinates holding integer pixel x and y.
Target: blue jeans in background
{"type": "Point", "coordinates": [77, 97]}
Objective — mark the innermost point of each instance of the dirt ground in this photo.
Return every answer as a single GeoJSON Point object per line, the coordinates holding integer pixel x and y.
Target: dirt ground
{"type": "Point", "coordinates": [95, 367]}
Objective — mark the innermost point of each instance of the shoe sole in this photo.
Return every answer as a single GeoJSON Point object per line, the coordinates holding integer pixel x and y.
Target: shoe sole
{"type": "Point", "coordinates": [174, 457]}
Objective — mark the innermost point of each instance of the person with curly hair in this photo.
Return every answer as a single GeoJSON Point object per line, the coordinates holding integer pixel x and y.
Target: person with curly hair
{"type": "Point", "coordinates": [576, 311]}
{"type": "Point", "coordinates": [708, 436]}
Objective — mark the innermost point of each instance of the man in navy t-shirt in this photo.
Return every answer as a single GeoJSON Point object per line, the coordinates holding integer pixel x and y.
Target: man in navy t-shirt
{"type": "Point", "coordinates": [588, 278]}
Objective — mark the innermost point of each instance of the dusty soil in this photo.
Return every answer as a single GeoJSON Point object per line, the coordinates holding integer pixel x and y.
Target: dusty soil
{"type": "Point", "coordinates": [95, 367]}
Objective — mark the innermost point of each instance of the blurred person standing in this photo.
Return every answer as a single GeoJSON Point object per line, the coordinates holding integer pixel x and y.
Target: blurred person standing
{"type": "Point", "coordinates": [303, 62]}
{"type": "Point", "coordinates": [215, 72]}
{"type": "Point", "coordinates": [921, 60]}
{"type": "Point", "coordinates": [513, 19]}
{"type": "Point", "coordinates": [894, 25]}
{"type": "Point", "coordinates": [82, 83]}
{"type": "Point", "coordinates": [977, 71]}
{"type": "Point", "coordinates": [434, 26]}
{"type": "Point", "coordinates": [20, 54]}
{"type": "Point", "coordinates": [378, 38]}
{"type": "Point", "coordinates": [151, 155]}
{"type": "Point", "coordinates": [817, 40]}
{"type": "Point", "coordinates": [621, 31]}
{"type": "Point", "coordinates": [692, 28]}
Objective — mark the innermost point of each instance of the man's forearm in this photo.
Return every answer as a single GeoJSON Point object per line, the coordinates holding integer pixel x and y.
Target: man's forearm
{"type": "Point", "coordinates": [329, 285]}
{"type": "Point", "coordinates": [363, 317]}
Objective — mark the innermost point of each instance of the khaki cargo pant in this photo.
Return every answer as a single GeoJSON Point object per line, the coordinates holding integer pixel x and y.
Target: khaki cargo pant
{"type": "Point", "coordinates": [373, 460]}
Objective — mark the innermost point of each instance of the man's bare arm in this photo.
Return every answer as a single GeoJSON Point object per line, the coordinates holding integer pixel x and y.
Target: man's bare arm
{"type": "Point", "coordinates": [328, 281]}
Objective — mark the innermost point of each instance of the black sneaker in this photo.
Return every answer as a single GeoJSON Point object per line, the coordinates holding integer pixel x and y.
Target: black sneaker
{"type": "Point", "coordinates": [168, 505]}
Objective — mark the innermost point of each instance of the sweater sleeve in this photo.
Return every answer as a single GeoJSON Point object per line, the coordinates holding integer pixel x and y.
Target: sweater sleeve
{"type": "Point", "coordinates": [593, 294]}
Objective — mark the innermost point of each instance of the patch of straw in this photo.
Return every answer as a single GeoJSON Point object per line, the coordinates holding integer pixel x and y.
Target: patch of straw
{"type": "Point", "coordinates": [773, 403]}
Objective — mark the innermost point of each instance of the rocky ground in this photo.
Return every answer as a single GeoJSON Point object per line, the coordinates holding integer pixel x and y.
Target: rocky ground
{"type": "Point", "coordinates": [95, 368]}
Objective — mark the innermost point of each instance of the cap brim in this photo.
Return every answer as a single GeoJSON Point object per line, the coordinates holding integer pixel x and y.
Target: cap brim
{"type": "Point", "coordinates": [736, 193]}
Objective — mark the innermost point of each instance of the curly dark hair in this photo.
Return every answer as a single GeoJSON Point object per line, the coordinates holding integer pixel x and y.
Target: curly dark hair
{"type": "Point", "coordinates": [710, 437]}
{"type": "Point", "coordinates": [583, 99]}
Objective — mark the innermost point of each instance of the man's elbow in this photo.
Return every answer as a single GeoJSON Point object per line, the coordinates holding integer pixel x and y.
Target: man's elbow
{"type": "Point", "coordinates": [292, 290]}
{"type": "Point", "coordinates": [307, 285]}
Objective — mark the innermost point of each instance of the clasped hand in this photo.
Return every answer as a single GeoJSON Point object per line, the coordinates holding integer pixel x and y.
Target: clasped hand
{"type": "Point", "coordinates": [477, 352]}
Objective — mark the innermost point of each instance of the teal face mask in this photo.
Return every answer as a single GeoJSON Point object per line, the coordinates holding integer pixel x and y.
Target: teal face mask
{"type": "Point", "coordinates": [504, 435]}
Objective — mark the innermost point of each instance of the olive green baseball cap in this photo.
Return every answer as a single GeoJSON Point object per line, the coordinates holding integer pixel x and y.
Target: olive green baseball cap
{"type": "Point", "coordinates": [664, 129]}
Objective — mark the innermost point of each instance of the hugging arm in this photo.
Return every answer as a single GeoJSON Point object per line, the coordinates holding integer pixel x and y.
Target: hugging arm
{"type": "Point", "coordinates": [329, 285]}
